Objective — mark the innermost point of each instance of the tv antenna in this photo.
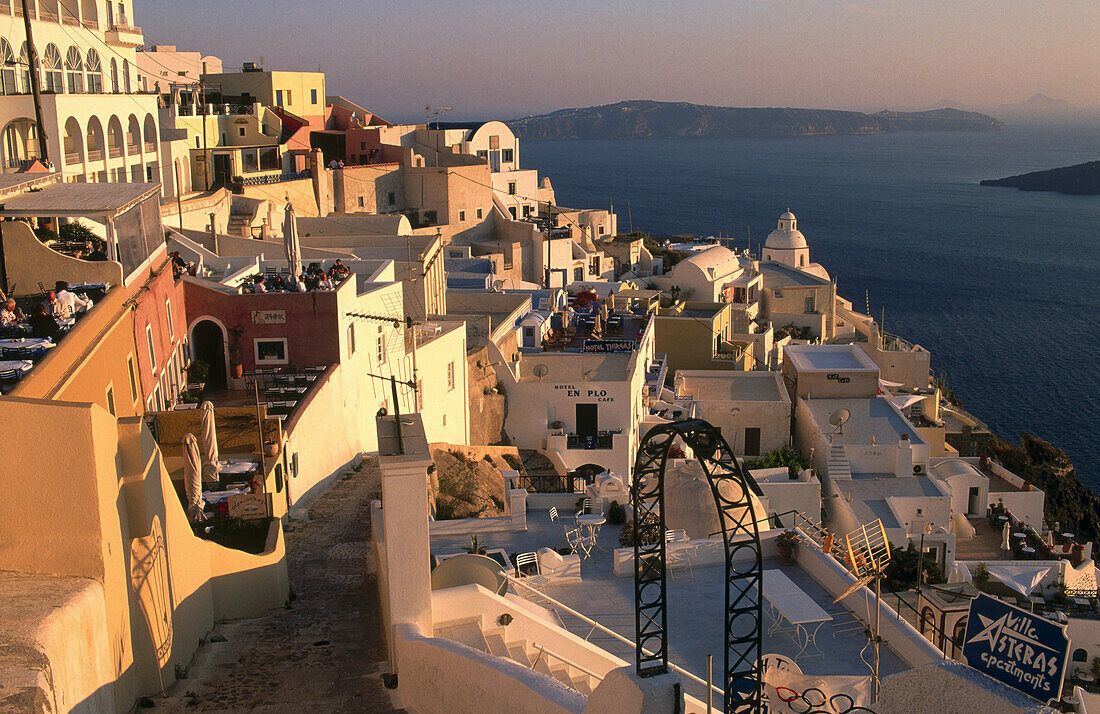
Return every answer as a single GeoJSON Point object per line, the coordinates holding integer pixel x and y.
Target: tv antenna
{"type": "Point", "coordinates": [440, 113]}
{"type": "Point", "coordinates": [838, 419]}
{"type": "Point", "coordinates": [868, 553]}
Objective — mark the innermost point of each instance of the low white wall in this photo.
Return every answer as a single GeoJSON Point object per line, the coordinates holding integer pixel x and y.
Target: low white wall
{"type": "Point", "coordinates": [901, 637]}
{"type": "Point", "coordinates": [436, 674]}
{"type": "Point", "coordinates": [709, 551]}
{"type": "Point", "coordinates": [517, 498]}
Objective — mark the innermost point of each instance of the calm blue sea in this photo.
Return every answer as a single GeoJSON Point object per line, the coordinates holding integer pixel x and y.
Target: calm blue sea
{"type": "Point", "coordinates": [1000, 285]}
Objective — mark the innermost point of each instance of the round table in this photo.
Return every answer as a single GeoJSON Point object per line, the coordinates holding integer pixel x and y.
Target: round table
{"type": "Point", "coordinates": [591, 522]}
{"type": "Point", "coordinates": [20, 365]}
{"type": "Point", "coordinates": [1068, 536]}
{"type": "Point", "coordinates": [1018, 535]}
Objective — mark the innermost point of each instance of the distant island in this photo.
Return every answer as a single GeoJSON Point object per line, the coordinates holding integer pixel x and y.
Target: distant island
{"type": "Point", "coordinates": [1077, 180]}
{"type": "Point", "coordinates": [644, 119]}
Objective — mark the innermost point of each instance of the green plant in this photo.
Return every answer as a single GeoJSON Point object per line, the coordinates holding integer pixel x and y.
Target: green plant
{"type": "Point", "coordinates": [616, 514]}
{"type": "Point", "coordinates": [784, 456]}
{"type": "Point", "coordinates": [1096, 667]}
{"type": "Point", "coordinates": [649, 533]}
{"type": "Point", "coordinates": [980, 577]}
{"type": "Point", "coordinates": [513, 461]}
{"type": "Point", "coordinates": [44, 235]}
{"type": "Point", "coordinates": [198, 371]}
{"type": "Point", "coordinates": [235, 344]}
{"type": "Point", "coordinates": [475, 547]}
{"type": "Point", "coordinates": [187, 397]}
{"type": "Point", "coordinates": [787, 539]}
{"type": "Point", "coordinates": [76, 232]}
{"type": "Point", "coordinates": [901, 573]}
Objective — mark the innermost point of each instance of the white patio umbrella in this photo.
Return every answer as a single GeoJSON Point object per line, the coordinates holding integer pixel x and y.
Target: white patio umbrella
{"type": "Point", "coordinates": [192, 477]}
{"type": "Point", "coordinates": [291, 243]}
{"type": "Point", "coordinates": [210, 454]}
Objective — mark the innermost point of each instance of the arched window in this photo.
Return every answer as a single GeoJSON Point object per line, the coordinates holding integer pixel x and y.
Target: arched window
{"type": "Point", "coordinates": [1080, 655]}
{"type": "Point", "coordinates": [51, 62]}
{"type": "Point", "coordinates": [927, 621]}
{"type": "Point", "coordinates": [25, 68]}
{"type": "Point", "coordinates": [95, 72]}
{"type": "Point", "coordinates": [126, 76]}
{"type": "Point", "coordinates": [74, 71]}
{"type": "Point", "coordinates": [114, 75]}
{"type": "Point", "coordinates": [958, 634]}
{"type": "Point", "coordinates": [7, 69]}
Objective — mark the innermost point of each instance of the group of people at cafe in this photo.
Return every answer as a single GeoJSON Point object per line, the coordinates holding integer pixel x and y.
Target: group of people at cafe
{"type": "Point", "coordinates": [59, 307]}
{"type": "Point", "coordinates": [311, 279]}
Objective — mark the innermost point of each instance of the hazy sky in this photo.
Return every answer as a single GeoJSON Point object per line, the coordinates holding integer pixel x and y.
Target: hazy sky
{"type": "Point", "coordinates": [509, 58]}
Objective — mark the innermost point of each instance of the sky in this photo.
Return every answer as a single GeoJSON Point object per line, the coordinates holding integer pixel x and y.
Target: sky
{"type": "Point", "coordinates": [506, 59]}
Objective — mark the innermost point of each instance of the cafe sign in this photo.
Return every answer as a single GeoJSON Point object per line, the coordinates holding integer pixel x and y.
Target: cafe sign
{"type": "Point", "coordinates": [248, 506]}
{"type": "Point", "coordinates": [269, 317]}
{"type": "Point", "coordinates": [608, 346]}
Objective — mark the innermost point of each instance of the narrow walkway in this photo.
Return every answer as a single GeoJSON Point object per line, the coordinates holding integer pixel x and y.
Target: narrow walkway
{"type": "Point", "coordinates": [326, 651]}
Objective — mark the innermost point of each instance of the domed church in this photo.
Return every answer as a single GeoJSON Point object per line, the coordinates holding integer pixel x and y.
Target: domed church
{"type": "Point", "coordinates": [786, 244]}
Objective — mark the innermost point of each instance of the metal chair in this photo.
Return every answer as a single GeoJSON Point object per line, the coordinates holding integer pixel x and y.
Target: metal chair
{"type": "Point", "coordinates": [580, 543]}
{"type": "Point", "coordinates": [18, 353]}
{"type": "Point", "coordinates": [530, 561]}
{"type": "Point", "coordinates": [8, 379]}
{"type": "Point", "coordinates": [592, 505]}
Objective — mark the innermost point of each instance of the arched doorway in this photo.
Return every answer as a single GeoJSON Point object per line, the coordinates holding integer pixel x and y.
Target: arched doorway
{"type": "Point", "coordinates": [208, 345]}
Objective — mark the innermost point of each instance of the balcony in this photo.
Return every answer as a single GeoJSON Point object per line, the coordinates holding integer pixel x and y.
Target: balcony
{"type": "Point", "coordinates": [95, 155]}
{"type": "Point", "coordinates": [599, 440]}
{"type": "Point", "coordinates": [72, 157]}
{"type": "Point", "coordinates": [123, 35]}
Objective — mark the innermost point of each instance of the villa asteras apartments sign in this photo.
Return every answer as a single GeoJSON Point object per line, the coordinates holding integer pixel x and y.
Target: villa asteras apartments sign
{"type": "Point", "coordinates": [1014, 646]}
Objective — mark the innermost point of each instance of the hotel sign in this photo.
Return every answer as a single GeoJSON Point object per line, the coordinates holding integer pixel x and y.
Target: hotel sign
{"type": "Point", "coordinates": [1025, 651]}
{"type": "Point", "coordinates": [608, 346]}
{"type": "Point", "coordinates": [269, 317]}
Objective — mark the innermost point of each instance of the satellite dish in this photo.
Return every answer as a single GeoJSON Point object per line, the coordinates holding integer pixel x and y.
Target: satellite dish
{"type": "Point", "coordinates": [540, 370]}
{"type": "Point", "coordinates": [839, 418]}
{"type": "Point", "coordinates": [498, 284]}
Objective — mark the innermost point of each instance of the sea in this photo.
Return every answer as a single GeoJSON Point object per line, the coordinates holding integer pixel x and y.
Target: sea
{"type": "Point", "coordinates": [1000, 285]}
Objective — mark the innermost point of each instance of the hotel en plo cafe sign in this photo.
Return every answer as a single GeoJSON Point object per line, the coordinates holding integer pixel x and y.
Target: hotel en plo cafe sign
{"type": "Point", "coordinates": [1016, 647]}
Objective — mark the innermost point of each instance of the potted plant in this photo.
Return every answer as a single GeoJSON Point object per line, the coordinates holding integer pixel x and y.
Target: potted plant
{"type": "Point", "coordinates": [1076, 555]}
{"type": "Point", "coordinates": [980, 578]}
{"type": "Point", "coordinates": [475, 547]}
{"type": "Point", "coordinates": [197, 374]}
{"type": "Point", "coordinates": [235, 351]}
{"type": "Point", "coordinates": [786, 543]}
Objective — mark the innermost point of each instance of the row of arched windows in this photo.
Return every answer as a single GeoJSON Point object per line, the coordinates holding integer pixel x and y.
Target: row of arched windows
{"type": "Point", "coordinates": [81, 73]}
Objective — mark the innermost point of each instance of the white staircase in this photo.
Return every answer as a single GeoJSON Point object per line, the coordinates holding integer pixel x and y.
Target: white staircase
{"type": "Point", "coordinates": [838, 466]}
{"type": "Point", "coordinates": [527, 654]}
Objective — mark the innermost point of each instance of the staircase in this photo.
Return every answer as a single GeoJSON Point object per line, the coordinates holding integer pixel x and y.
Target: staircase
{"type": "Point", "coordinates": [527, 654]}
{"type": "Point", "coordinates": [240, 224]}
{"type": "Point", "coordinates": [838, 466]}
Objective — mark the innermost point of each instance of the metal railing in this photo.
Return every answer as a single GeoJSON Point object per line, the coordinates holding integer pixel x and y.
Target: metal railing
{"type": "Point", "coordinates": [600, 440]}
{"type": "Point", "coordinates": [543, 651]}
{"type": "Point", "coordinates": [275, 178]}
{"type": "Point", "coordinates": [609, 632]}
{"type": "Point", "coordinates": [552, 484]}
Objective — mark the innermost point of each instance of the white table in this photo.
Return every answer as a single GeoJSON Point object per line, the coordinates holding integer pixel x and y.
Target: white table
{"type": "Point", "coordinates": [787, 601]}
{"type": "Point", "coordinates": [237, 468]}
{"type": "Point", "coordinates": [21, 365]}
{"type": "Point", "coordinates": [37, 344]}
{"type": "Point", "coordinates": [591, 522]}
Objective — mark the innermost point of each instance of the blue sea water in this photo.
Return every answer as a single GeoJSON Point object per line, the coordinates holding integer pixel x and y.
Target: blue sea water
{"type": "Point", "coordinates": [1000, 285]}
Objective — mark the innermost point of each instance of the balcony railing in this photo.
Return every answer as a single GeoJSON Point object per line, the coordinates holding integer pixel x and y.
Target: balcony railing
{"type": "Point", "coordinates": [276, 178]}
{"type": "Point", "coordinates": [114, 151]}
{"type": "Point", "coordinates": [150, 147]}
{"type": "Point", "coordinates": [72, 157]}
{"type": "Point", "coordinates": [599, 440]}
{"type": "Point", "coordinates": [95, 155]}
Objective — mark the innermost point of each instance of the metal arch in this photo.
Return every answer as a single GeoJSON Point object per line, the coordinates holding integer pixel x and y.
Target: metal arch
{"type": "Point", "coordinates": [732, 488]}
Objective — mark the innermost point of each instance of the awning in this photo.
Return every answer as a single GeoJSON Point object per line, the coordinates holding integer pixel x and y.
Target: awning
{"type": "Point", "coordinates": [1021, 578]}
{"type": "Point", "coordinates": [902, 401]}
{"type": "Point", "coordinates": [892, 385]}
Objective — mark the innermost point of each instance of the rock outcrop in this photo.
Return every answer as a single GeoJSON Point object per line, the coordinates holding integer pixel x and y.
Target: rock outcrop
{"type": "Point", "coordinates": [1076, 180]}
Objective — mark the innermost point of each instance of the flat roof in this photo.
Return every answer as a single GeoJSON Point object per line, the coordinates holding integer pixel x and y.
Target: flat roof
{"type": "Point", "coordinates": [872, 419]}
{"type": "Point", "coordinates": [777, 275]}
{"type": "Point", "coordinates": [828, 358]}
{"type": "Point", "coordinates": [78, 199]}
{"type": "Point", "coordinates": [869, 493]}
{"type": "Point", "coordinates": [704, 385]}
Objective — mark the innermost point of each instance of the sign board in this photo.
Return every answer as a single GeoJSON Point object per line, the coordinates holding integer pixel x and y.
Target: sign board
{"type": "Point", "coordinates": [250, 505]}
{"type": "Point", "coordinates": [608, 346]}
{"type": "Point", "coordinates": [269, 317]}
{"type": "Point", "coordinates": [1014, 646]}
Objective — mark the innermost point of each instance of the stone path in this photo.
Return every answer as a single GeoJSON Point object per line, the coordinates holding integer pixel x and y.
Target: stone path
{"type": "Point", "coordinates": [326, 651]}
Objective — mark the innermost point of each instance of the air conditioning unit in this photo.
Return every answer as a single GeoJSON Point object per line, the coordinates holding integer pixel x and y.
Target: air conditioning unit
{"type": "Point", "coordinates": [918, 469]}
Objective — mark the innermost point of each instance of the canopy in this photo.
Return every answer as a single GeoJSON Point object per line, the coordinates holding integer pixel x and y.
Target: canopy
{"type": "Point", "coordinates": [192, 477]}
{"type": "Point", "coordinates": [887, 383]}
{"type": "Point", "coordinates": [1021, 578]}
{"type": "Point", "coordinates": [291, 243]}
{"type": "Point", "coordinates": [209, 443]}
{"type": "Point", "coordinates": [902, 401]}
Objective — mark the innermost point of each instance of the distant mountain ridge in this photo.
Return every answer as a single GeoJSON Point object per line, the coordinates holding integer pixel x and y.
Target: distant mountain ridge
{"type": "Point", "coordinates": [647, 119]}
{"type": "Point", "coordinates": [1077, 180]}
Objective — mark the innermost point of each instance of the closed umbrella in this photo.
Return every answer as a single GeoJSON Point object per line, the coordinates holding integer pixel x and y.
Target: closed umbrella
{"type": "Point", "coordinates": [1005, 534]}
{"type": "Point", "coordinates": [291, 244]}
{"type": "Point", "coordinates": [209, 443]}
{"type": "Point", "coordinates": [192, 477]}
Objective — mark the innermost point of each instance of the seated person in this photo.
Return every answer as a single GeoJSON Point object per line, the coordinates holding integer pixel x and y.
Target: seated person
{"type": "Point", "coordinates": [99, 253]}
{"type": "Point", "coordinates": [258, 286]}
{"type": "Point", "coordinates": [44, 324]}
{"type": "Point", "coordinates": [55, 307]}
{"type": "Point", "coordinates": [311, 280]}
{"type": "Point", "coordinates": [73, 302]}
{"type": "Point", "coordinates": [338, 271]}
{"type": "Point", "coordinates": [302, 284]}
{"type": "Point", "coordinates": [11, 315]}
{"type": "Point", "coordinates": [179, 265]}
{"type": "Point", "coordinates": [325, 283]}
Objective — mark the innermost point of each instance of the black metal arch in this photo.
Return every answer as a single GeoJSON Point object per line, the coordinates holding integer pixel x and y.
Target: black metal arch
{"type": "Point", "coordinates": [732, 487]}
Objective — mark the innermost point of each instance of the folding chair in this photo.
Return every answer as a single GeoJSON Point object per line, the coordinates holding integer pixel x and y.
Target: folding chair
{"type": "Point", "coordinates": [19, 353]}
{"type": "Point", "coordinates": [592, 505]}
{"type": "Point", "coordinates": [682, 555]}
{"type": "Point", "coordinates": [528, 570]}
{"type": "Point", "coordinates": [580, 543]}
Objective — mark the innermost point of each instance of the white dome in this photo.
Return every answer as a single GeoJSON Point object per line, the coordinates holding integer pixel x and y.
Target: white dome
{"type": "Point", "coordinates": [780, 239]}
{"type": "Point", "coordinates": [787, 216]}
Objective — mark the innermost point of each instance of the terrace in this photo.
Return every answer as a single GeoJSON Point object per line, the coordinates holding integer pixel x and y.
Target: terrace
{"type": "Point", "coordinates": [594, 325]}
{"type": "Point", "coordinates": [695, 599]}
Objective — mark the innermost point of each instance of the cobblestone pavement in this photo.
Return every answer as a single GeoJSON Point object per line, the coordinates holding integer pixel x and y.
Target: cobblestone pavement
{"type": "Point", "coordinates": [325, 652]}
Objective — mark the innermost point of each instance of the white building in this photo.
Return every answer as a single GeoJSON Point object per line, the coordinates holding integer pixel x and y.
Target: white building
{"type": "Point", "coordinates": [98, 127]}
{"type": "Point", "coordinates": [163, 65]}
{"type": "Point", "coordinates": [752, 409]}
{"type": "Point", "coordinates": [788, 246]}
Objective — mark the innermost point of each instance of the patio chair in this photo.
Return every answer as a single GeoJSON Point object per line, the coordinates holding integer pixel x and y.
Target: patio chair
{"type": "Point", "coordinates": [18, 353]}
{"type": "Point", "coordinates": [679, 558]}
{"type": "Point", "coordinates": [592, 505]}
{"type": "Point", "coordinates": [528, 570]}
{"type": "Point", "coordinates": [678, 535]}
{"type": "Point", "coordinates": [8, 379]}
{"type": "Point", "coordinates": [580, 543]}
{"type": "Point", "coordinates": [555, 518]}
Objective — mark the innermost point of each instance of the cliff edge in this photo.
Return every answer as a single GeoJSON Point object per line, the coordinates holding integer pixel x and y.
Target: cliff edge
{"type": "Point", "coordinates": [1077, 180]}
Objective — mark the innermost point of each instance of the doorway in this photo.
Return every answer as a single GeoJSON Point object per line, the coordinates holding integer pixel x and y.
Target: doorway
{"type": "Point", "coordinates": [973, 504]}
{"type": "Point", "coordinates": [752, 441]}
{"type": "Point", "coordinates": [222, 169]}
{"type": "Point", "coordinates": [208, 345]}
{"type": "Point", "coordinates": [587, 421]}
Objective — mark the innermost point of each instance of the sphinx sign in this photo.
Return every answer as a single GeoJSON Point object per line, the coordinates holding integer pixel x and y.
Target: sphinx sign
{"type": "Point", "coordinates": [1014, 646]}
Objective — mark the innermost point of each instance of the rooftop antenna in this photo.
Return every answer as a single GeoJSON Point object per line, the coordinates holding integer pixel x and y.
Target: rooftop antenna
{"type": "Point", "coordinates": [838, 419]}
{"type": "Point", "coordinates": [868, 553]}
